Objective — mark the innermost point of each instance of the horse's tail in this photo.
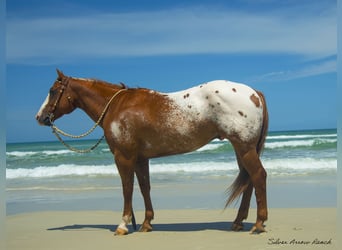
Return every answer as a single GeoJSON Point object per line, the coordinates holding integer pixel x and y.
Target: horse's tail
{"type": "Point", "coordinates": [242, 181]}
{"type": "Point", "coordinates": [238, 187]}
{"type": "Point", "coordinates": [264, 128]}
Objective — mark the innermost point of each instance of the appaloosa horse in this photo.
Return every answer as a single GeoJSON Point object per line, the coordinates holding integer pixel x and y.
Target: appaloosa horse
{"type": "Point", "coordinates": [140, 124]}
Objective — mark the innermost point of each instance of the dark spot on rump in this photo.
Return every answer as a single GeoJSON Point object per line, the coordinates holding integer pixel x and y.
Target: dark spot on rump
{"type": "Point", "coordinates": [189, 106]}
{"type": "Point", "coordinates": [187, 95]}
{"type": "Point", "coordinates": [216, 91]}
{"type": "Point", "coordinates": [212, 106]}
{"type": "Point", "coordinates": [201, 86]}
{"type": "Point", "coordinates": [255, 100]}
{"type": "Point", "coordinates": [207, 97]}
{"type": "Point", "coordinates": [198, 113]}
{"type": "Point", "coordinates": [234, 89]}
{"type": "Point", "coordinates": [218, 103]}
{"type": "Point", "coordinates": [242, 114]}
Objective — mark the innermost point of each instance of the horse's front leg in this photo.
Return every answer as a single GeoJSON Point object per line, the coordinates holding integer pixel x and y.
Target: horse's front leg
{"type": "Point", "coordinates": [126, 171]}
{"type": "Point", "coordinates": [143, 175]}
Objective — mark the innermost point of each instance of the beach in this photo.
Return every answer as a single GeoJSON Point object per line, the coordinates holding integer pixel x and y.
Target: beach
{"type": "Point", "coordinates": [294, 228]}
{"type": "Point", "coordinates": [189, 215]}
{"type": "Point", "coordinates": [57, 199]}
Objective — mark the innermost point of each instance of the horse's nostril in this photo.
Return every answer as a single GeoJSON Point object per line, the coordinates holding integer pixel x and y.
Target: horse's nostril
{"type": "Point", "coordinates": [47, 121]}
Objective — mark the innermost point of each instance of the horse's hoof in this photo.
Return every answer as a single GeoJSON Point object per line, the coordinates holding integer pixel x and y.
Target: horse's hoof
{"type": "Point", "coordinates": [237, 227]}
{"type": "Point", "coordinates": [145, 228]}
{"type": "Point", "coordinates": [257, 229]}
{"type": "Point", "coordinates": [121, 231]}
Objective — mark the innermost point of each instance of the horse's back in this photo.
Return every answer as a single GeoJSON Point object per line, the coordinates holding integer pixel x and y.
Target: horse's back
{"type": "Point", "coordinates": [236, 108]}
{"type": "Point", "coordinates": [235, 93]}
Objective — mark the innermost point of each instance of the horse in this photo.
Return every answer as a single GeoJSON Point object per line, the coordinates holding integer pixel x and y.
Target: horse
{"type": "Point", "coordinates": [140, 124]}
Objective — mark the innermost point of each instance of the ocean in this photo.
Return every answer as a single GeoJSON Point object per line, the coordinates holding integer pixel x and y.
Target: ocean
{"type": "Point", "coordinates": [46, 175]}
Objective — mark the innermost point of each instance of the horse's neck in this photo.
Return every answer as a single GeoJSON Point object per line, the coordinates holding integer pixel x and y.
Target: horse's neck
{"type": "Point", "coordinates": [93, 100]}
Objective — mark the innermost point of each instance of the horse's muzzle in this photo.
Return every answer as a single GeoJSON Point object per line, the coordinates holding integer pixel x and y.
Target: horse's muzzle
{"type": "Point", "coordinates": [43, 121]}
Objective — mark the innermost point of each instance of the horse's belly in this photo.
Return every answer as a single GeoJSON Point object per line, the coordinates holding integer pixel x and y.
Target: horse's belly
{"type": "Point", "coordinates": [176, 141]}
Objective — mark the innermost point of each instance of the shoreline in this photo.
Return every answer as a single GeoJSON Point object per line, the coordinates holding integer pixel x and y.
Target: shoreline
{"type": "Point", "coordinates": [185, 229]}
{"type": "Point", "coordinates": [287, 192]}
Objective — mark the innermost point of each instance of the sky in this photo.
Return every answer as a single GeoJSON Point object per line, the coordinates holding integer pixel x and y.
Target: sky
{"type": "Point", "coordinates": [286, 49]}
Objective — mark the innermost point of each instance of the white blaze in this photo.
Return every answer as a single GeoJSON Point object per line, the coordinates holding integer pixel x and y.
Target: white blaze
{"type": "Point", "coordinates": [43, 106]}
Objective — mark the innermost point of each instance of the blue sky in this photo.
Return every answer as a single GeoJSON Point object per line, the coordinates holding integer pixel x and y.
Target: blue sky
{"type": "Point", "coordinates": [286, 49]}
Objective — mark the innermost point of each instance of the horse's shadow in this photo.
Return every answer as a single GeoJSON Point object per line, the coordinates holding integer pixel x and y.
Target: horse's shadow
{"type": "Point", "coordinates": [168, 227]}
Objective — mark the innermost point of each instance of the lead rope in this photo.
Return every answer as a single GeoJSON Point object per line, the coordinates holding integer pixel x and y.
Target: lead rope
{"type": "Point", "coordinates": [57, 132]}
{"type": "Point", "coordinates": [81, 151]}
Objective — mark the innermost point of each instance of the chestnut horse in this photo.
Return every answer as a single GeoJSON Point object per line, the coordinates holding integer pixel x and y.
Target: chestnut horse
{"type": "Point", "coordinates": [140, 124]}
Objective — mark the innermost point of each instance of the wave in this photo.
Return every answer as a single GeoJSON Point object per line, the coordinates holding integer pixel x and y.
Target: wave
{"type": "Point", "coordinates": [300, 143]}
{"type": "Point", "coordinates": [210, 147]}
{"type": "Point", "coordinates": [61, 170]}
{"type": "Point", "coordinates": [309, 143]}
{"type": "Point", "coordinates": [290, 137]}
{"type": "Point", "coordinates": [44, 152]}
{"type": "Point", "coordinates": [275, 167]}
{"type": "Point", "coordinates": [76, 188]}
{"type": "Point", "coordinates": [215, 146]}
{"type": "Point", "coordinates": [300, 165]}
{"type": "Point", "coordinates": [21, 154]}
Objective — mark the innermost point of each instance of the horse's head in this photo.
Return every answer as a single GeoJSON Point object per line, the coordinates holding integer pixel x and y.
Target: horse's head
{"type": "Point", "coordinates": [58, 102]}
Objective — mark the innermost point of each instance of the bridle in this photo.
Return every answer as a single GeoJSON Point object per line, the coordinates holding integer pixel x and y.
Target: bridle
{"type": "Point", "coordinates": [64, 84]}
{"type": "Point", "coordinates": [58, 132]}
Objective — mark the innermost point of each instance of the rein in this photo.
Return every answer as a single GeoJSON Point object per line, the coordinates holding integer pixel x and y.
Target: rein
{"type": "Point", "coordinates": [57, 132]}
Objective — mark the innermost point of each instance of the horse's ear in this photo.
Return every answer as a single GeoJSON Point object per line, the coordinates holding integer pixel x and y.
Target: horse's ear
{"type": "Point", "coordinates": [60, 74]}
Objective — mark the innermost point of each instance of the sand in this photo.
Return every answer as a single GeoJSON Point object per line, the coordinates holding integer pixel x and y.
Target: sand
{"type": "Point", "coordinates": [293, 228]}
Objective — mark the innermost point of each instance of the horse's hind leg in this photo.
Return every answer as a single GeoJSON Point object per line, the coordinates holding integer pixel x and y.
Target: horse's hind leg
{"type": "Point", "coordinates": [244, 208]}
{"type": "Point", "coordinates": [241, 184]}
{"type": "Point", "coordinates": [251, 162]}
{"type": "Point", "coordinates": [142, 173]}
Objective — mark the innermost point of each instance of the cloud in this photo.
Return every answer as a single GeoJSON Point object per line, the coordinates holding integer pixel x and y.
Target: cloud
{"type": "Point", "coordinates": [312, 69]}
{"type": "Point", "coordinates": [170, 32]}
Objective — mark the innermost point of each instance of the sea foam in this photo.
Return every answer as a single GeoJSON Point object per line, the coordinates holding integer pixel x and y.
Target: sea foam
{"type": "Point", "coordinates": [276, 167]}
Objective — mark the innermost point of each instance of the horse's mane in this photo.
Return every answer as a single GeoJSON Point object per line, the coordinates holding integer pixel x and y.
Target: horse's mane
{"type": "Point", "coordinates": [121, 85]}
